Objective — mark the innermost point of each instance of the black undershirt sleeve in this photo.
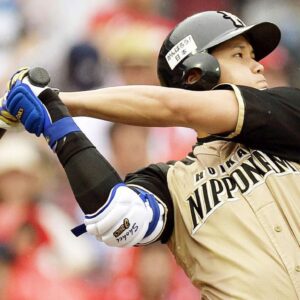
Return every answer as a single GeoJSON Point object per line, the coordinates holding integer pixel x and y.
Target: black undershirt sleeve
{"type": "Point", "coordinates": [90, 175]}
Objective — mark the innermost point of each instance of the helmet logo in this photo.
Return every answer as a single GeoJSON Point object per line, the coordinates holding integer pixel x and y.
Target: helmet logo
{"type": "Point", "coordinates": [235, 20]}
{"type": "Point", "coordinates": [180, 51]}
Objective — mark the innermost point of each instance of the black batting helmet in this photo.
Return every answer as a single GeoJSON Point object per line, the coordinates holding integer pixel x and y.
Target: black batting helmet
{"type": "Point", "coordinates": [187, 47]}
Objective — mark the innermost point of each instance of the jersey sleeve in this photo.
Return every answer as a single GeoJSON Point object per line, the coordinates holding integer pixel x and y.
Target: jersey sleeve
{"type": "Point", "coordinates": [153, 179]}
{"type": "Point", "coordinates": [268, 120]}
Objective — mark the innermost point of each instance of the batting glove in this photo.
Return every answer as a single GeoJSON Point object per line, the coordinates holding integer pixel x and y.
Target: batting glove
{"type": "Point", "coordinates": [38, 107]}
{"type": "Point", "coordinates": [7, 120]}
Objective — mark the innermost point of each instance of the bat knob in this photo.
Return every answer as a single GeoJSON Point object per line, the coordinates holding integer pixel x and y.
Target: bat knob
{"type": "Point", "coordinates": [38, 77]}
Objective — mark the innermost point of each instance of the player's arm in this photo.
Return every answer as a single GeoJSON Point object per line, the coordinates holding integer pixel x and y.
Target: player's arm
{"type": "Point", "coordinates": [114, 213]}
{"type": "Point", "coordinates": [266, 120]}
{"type": "Point", "coordinates": [158, 106]}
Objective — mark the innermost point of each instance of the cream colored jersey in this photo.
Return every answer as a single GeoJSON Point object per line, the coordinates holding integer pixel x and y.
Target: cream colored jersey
{"type": "Point", "coordinates": [232, 207]}
{"type": "Point", "coordinates": [237, 228]}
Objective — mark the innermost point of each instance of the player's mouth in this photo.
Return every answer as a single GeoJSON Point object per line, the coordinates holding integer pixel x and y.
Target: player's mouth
{"type": "Point", "coordinates": [262, 84]}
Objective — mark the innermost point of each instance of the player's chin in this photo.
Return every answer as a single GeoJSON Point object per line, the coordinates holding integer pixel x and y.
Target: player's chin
{"type": "Point", "coordinates": [261, 85]}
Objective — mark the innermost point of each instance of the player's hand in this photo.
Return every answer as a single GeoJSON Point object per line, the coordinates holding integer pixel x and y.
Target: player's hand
{"type": "Point", "coordinates": [21, 99]}
{"type": "Point", "coordinates": [34, 79]}
{"type": "Point", "coordinates": [37, 106]}
{"type": "Point", "coordinates": [6, 119]}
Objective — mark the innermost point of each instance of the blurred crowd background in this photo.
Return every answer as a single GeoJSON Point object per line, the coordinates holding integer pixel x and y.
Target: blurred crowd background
{"type": "Point", "coordinates": [89, 44]}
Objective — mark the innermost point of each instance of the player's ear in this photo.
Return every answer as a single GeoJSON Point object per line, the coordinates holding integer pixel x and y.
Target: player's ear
{"type": "Point", "coordinates": [193, 76]}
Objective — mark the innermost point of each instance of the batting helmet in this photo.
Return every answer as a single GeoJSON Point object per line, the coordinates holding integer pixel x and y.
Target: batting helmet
{"type": "Point", "coordinates": [188, 45]}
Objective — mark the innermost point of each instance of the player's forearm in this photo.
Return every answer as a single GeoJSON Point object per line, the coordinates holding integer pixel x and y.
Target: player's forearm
{"type": "Point", "coordinates": [136, 105]}
{"type": "Point", "coordinates": [157, 106]}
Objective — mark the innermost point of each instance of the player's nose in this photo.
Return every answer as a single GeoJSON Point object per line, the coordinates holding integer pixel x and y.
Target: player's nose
{"type": "Point", "coordinates": [257, 67]}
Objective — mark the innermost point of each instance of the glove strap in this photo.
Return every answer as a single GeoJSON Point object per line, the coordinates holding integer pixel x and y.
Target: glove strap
{"type": "Point", "coordinates": [79, 230]}
{"type": "Point", "coordinates": [59, 129]}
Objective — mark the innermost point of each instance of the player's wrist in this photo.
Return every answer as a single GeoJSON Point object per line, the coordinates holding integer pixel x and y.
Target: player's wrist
{"type": "Point", "coordinates": [61, 121]}
{"type": "Point", "coordinates": [56, 108]}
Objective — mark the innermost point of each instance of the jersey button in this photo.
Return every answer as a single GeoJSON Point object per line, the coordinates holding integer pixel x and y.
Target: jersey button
{"type": "Point", "coordinates": [297, 268]}
{"type": "Point", "coordinates": [277, 228]}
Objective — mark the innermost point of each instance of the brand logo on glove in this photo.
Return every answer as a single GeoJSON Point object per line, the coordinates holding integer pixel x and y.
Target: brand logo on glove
{"type": "Point", "coordinates": [20, 113]}
{"type": "Point", "coordinates": [122, 228]}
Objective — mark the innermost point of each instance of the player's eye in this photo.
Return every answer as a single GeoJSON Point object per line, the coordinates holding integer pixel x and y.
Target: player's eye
{"type": "Point", "coordinates": [238, 54]}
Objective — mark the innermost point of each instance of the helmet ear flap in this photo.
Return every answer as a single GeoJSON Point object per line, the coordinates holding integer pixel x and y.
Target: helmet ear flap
{"type": "Point", "coordinates": [209, 70]}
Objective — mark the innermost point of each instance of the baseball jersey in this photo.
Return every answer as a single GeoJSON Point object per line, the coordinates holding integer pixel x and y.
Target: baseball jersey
{"type": "Point", "coordinates": [233, 204]}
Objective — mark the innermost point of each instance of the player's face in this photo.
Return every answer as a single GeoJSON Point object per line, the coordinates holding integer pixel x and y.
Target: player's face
{"type": "Point", "coordinates": [238, 64]}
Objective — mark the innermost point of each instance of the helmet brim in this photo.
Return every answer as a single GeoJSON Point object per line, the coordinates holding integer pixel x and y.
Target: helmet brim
{"type": "Point", "coordinates": [263, 37]}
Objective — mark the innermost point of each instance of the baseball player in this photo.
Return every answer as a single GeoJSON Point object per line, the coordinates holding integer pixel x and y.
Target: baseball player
{"type": "Point", "coordinates": [230, 210]}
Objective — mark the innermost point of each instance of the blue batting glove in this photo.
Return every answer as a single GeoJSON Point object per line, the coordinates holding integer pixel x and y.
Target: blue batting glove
{"type": "Point", "coordinates": [7, 120]}
{"type": "Point", "coordinates": [22, 103]}
{"type": "Point", "coordinates": [29, 101]}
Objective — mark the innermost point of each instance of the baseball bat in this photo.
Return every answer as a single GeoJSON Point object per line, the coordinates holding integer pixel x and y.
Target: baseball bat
{"type": "Point", "coordinates": [37, 76]}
